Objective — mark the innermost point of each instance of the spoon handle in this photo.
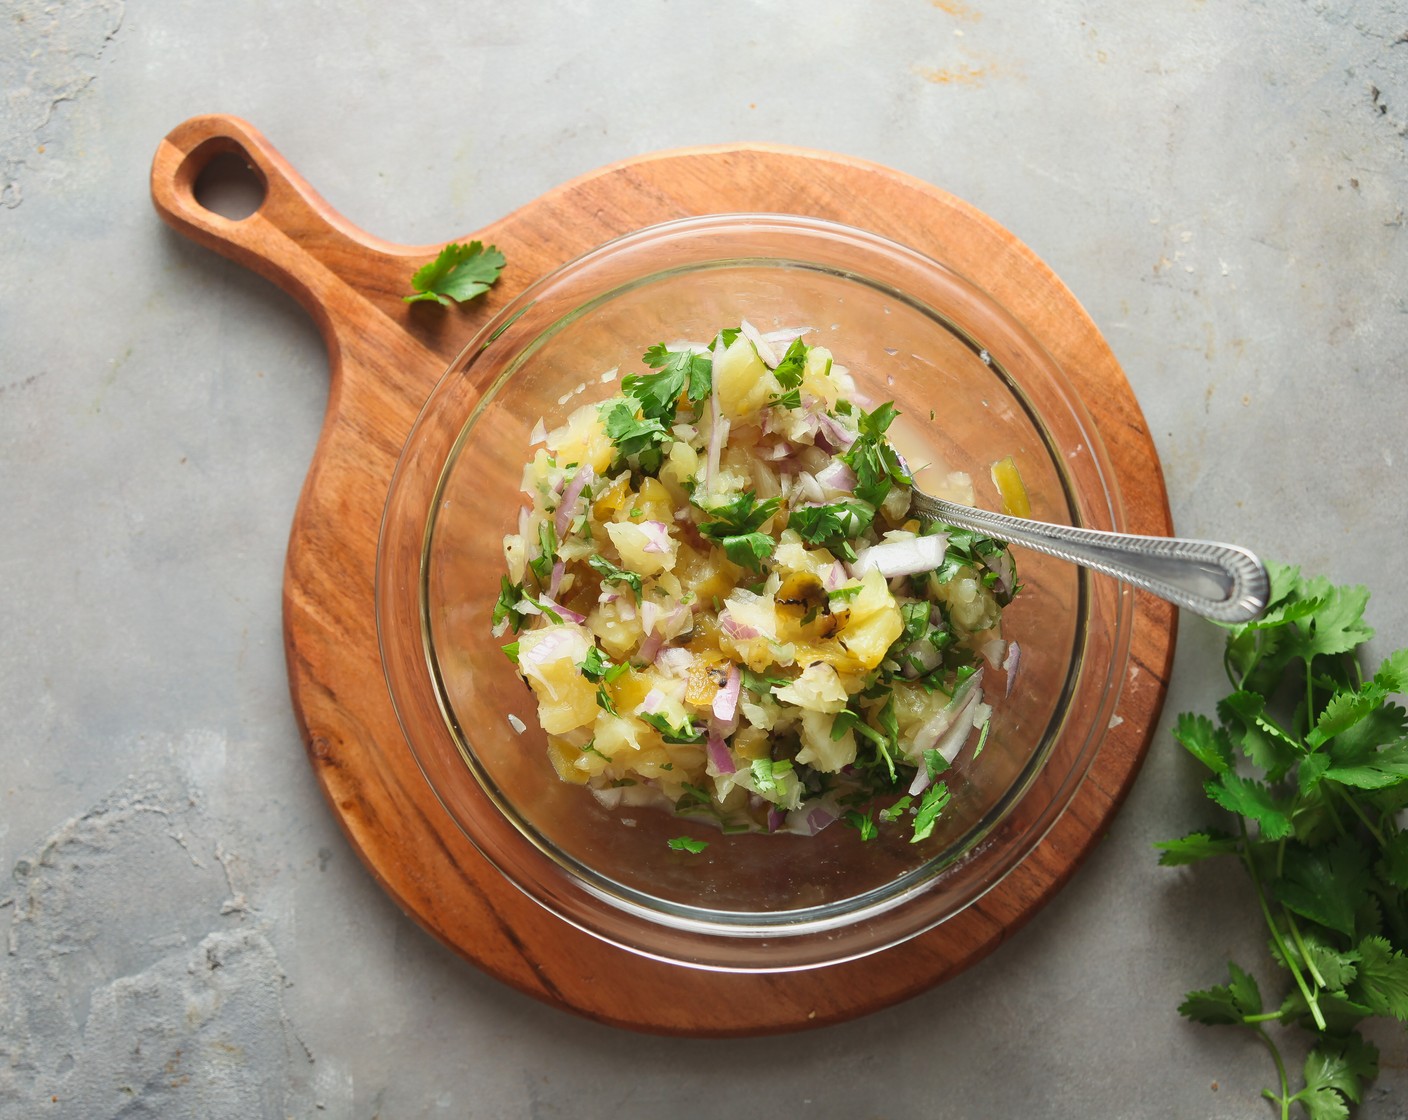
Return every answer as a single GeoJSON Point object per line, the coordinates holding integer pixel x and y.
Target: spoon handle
{"type": "Point", "coordinates": [1222, 582]}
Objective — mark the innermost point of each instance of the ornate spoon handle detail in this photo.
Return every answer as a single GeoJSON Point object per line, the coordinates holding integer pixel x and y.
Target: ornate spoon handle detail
{"type": "Point", "coordinates": [1222, 582]}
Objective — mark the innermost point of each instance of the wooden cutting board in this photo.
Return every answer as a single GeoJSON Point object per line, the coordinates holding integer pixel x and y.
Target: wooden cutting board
{"type": "Point", "coordinates": [386, 355]}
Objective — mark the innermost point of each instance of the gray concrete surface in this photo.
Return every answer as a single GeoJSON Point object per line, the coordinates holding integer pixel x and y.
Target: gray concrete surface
{"type": "Point", "coordinates": [1222, 185]}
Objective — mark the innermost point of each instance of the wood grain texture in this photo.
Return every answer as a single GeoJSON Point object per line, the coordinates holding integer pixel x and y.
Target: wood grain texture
{"type": "Point", "coordinates": [385, 357]}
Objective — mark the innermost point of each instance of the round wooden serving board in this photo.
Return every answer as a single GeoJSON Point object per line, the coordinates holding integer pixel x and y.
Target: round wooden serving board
{"type": "Point", "coordinates": [386, 355]}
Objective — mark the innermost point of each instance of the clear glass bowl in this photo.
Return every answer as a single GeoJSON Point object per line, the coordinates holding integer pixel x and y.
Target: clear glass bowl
{"type": "Point", "coordinates": [910, 330]}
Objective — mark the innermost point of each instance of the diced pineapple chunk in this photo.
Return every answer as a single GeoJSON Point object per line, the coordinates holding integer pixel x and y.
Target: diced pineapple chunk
{"type": "Point", "coordinates": [582, 439]}
{"type": "Point", "coordinates": [678, 469]}
{"type": "Point", "coordinates": [619, 738]}
{"type": "Point", "coordinates": [654, 502]}
{"type": "Point", "coordinates": [818, 689]}
{"type": "Point", "coordinates": [616, 625]}
{"type": "Point", "coordinates": [550, 658]}
{"type": "Point", "coordinates": [875, 621]}
{"type": "Point", "coordinates": [568, 761]}
{"type": "Point", "coordinates": [743, 382]}
{"type": "Point", "coordinates": [647, 548]}
{"type": "Point", "coordinates": [816, 377]}
{"type": "Point", "coordinates": [708, 574]}
{"type": "Point", "coordinates": [1008, 481]}
{"type": "Point", "coordinates": [819, 749]}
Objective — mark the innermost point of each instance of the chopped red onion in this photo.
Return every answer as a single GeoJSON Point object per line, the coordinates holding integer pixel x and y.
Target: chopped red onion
{"type": "Point", "coordinates": [1011, 664]}
{"type": "Point", "coordinates": [718, 426]}
{"type": "Point", "coordinates": [517, 724]}
{"type": "Point", "coordinates": [726, 699]}
{"type": "Point", "coordinates": [993, 650]}
{"type": "Point", "coordinates": [776, 818]}
{"type": "Point", "coordinates": [554, 645]}
{"type": "Point", "coordinates": [650, 647]}
{"type": "Point", "coordinates": [952, 740]}
{"type": "Point", "coordinates": [902, 557]}
{"type": "Point", "coordinates": [736, 630]}
{"type": "Point", "coordinates": [1003, 567]}
{"type": "Point", "coordinates": [810, 819]}
{"type": "Point", "coordinates": [833, 433]}
{"type": "Point", "coordinates": [539, 434]}
{"type": "Point", "coordinates": [555, 583]}
{"type": "Point", "coordinates": [568, 505]}
{"type": "Point", "coordinates": [720, 755]}
{"type": "Point", "coordinates": [920, 783]}
{"type": "Point", "coordinates": [835, 576]}
{"type": "Point", "coordinates": [674, 660]}
{"type": "Point", "coordinates": [921, 650]}
{"type": "Point", "coordinates": [608, 798]}
{"type": "Point", "coordinates": [653, 699]}
{"type": "Point", "coordinates": [785, 335]}
{"type": "Point", "coordinates": [837, 476]}
{"type": "Point", "coordinates": [566, 612]}
{"type": "Point", "coordinates": [760, 344]}
{"type": "Point", "coordinates": [810, 488]}
{"type": "Point", "coordinates": [657, 536]}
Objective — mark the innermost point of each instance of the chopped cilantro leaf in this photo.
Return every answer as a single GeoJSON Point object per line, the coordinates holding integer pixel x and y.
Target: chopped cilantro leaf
{"type": "Point", "coordinates": [510, 595]}
{"type": "Point", "coordinates": [633, 436]}
{"type": "Point", "coordinates": [610, 573]}
{"type": "Point", "coordinates": [876, 464]}
{"type": "Point", "coordinates": [680, 371]}
{"type": "Point", "coordinates": [895, 811]}
{"type": "Point", "coordinates": [861, 823]}
{"type": "Point", "coordinates": [736, 527]}
{"type": "Point", "coordinates": [511, 652]}
{"type": "Point", "coordinates": [541, 565]}
{"type": "Point", "coordinates": [684, 733]}
{"type": "Point", "coordinates": [596, 665]}
{"type": "Point", "coordinates": [832, 526]}
{"type": "Point", "coordinates": [760, 684]}
{"type": "Point", "coordinates": [936, 797]}
{"type": "Point", "coordinates": [687, 844]}
{"type": "Point", "coordinates": [790, 370]}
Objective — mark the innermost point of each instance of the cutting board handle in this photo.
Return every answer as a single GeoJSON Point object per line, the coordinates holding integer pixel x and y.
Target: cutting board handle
{"type": "Point", "coordinates": [293, 238]}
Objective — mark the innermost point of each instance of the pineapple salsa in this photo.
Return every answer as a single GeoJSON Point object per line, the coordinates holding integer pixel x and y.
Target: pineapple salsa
{"type": "Point", "coordinates": [723, 608]}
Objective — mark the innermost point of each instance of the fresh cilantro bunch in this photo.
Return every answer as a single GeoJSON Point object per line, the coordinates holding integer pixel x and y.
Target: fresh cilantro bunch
{"type": "Point", "coordinates": [1311, 761]}
{"type": "Point", "coordinates": [459, 273]}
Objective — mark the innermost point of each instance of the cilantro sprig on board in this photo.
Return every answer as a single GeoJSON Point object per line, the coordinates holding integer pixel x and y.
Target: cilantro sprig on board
{"type": "Point", "coordinates": [1310, 759]}
{"type": "Point", "coordinates": [459, 273]}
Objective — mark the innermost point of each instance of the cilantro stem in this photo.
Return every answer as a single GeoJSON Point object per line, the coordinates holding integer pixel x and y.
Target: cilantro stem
{"type": "Point", "coordinates": [1335, 816]}
{"type": "Point", "coordinates": [1284, 1100]}
{"type": "Point", "coordinates": [1358, 812]}
{"type": "Point", "coordinates": [1300, 947]}
{"type": "Point", "coordinates": [1276, 937]}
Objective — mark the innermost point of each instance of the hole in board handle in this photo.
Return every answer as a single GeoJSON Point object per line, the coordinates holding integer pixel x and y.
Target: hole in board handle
{"type": "Point", "coordinates": [230, 187]}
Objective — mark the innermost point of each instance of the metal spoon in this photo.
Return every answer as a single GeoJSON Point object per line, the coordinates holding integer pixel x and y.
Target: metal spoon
{"type": "Point", "coordinates": [1218, 581]}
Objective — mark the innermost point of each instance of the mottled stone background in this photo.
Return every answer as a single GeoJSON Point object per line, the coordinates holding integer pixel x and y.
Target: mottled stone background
{"type": "Point", "coordinates": [186, 934]}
